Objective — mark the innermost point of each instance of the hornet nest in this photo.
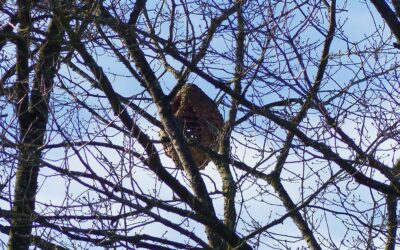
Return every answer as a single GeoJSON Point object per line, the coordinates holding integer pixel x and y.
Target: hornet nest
{"type": "Point", "coordinates": [200, 121]}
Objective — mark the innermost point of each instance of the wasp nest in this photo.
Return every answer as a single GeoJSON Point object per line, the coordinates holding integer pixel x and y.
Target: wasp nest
{"type": "Point", "coordinates": [200, 120]}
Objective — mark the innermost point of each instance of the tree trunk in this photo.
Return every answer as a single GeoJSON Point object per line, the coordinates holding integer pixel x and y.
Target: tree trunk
{"type": "Point", "coordinates": [32, 116]}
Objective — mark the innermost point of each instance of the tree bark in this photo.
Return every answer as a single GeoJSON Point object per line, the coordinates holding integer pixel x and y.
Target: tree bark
{"type": "Point", "coordinates": [391, 208]}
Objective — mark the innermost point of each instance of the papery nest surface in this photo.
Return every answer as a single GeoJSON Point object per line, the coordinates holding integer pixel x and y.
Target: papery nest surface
{"type": "Point", "coordinates": [200, 121]}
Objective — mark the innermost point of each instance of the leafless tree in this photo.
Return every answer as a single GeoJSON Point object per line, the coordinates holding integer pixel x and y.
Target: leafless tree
{"type": "Point", "coordinates": [306, 156]}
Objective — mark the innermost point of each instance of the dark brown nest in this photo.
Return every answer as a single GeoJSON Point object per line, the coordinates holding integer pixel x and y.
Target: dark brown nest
{"type": "Point", "coordinates": [200, 121]}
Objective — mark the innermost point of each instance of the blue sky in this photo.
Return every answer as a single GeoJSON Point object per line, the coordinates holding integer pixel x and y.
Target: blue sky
{"type": "Point", "coordinates": [358, 26]}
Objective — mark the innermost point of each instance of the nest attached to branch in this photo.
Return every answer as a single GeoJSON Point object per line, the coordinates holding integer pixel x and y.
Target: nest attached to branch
{"type": "Point", "coordinates": [200, 121]}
